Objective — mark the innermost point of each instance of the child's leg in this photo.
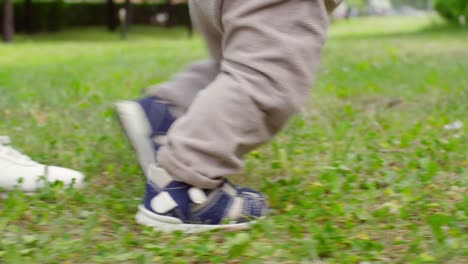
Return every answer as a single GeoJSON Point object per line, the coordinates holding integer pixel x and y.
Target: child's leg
{"type": "Point", "coordinates": [146, 120]}
{"type": "Point", "coordinates": [184, 86]}
{"type": "Point", "coordinates": [270, 52]}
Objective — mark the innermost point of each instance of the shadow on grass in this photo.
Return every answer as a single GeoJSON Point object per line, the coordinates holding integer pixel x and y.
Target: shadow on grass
{"type": "Point", "coordinates": [102, 35]}
{"type": "Point", "coordinates": [432, 28]}
{"type": "Point", "coordinates": [359, 28]}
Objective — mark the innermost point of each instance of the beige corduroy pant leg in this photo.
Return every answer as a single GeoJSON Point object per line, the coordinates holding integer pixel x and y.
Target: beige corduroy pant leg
{"type": "Point", "coordinates": [264, 57]}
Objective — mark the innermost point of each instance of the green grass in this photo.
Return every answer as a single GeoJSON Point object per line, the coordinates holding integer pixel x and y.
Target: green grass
{"type": "Point", "coordinates": [366, 173]}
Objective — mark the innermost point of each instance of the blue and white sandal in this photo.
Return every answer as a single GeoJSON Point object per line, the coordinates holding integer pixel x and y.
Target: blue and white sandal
{"type": "Point", "coordinates": [145, 123]}
{"type": "Point", "coordinates": [171, 205]}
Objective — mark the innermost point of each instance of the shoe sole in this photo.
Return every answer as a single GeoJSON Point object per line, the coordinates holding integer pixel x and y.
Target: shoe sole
{"type": "Point", "coordinates": [170, 224]}
{"type": "Point", "coordinates": [137, 129]}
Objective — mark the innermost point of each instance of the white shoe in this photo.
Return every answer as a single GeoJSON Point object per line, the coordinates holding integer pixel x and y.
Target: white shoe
{"type": "Point", "coordinates": [20, 171]}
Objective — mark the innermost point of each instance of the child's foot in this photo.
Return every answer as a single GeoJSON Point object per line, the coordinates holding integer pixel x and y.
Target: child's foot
{"type": "Point", "coordinates": [19, 171]}
{"type": "Point", "coordinates": [171, 205]}
{"type": "Point", "coordinates": [145, 123]}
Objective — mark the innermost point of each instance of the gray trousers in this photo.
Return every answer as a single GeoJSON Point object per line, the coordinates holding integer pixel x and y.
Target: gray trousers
{"type": "Point", "coordinates": [264, 55]}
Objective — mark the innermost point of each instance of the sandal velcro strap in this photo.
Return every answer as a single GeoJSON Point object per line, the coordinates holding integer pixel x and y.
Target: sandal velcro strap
{"type": "Point", "coordinates": [197, 195]}
{"type": "Point", "coordinates": [163, 203]}
{"type": "Point", "coordinates": [229, 189]}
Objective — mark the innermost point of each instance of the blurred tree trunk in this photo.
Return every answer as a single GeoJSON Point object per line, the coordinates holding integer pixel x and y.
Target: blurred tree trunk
{"type": "Point", "coordinates": [129, 15]}
{"type": "Point", "coordinates": [28, 16]}
{"type": "Point", "coordinates": [168, 10]}
{"type": "Point", "coordinates": [8, 21]}
{"type": "Point", "coordinates": [28, 10]}
{"type": "Point", "coordinates": [111, 15]}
